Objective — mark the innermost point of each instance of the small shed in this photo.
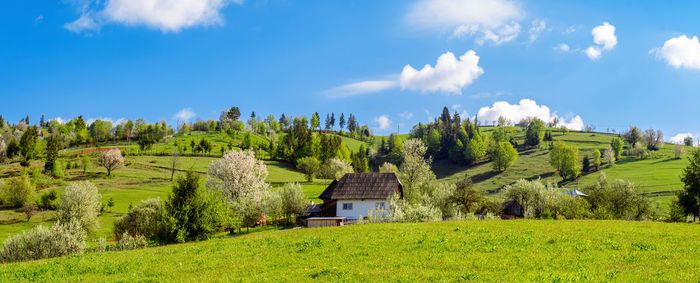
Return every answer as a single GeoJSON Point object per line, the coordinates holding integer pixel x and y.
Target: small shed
{"type": "Point", "coordinates": [512, 209]}
{"type": "Point", "coordinates": [315, 222]}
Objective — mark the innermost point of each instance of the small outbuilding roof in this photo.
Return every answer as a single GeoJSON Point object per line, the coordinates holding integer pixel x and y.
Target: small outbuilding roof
{"type": "Point", "coordinates": [363, 186]}
{"type": "Point", "coordinates": [575, 193]}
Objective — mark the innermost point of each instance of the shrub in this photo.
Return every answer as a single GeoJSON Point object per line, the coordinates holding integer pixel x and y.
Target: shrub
{"type": "Point", "coordinates": [618, 200]}
{"type": "Point", "coordinates": [18, 190]}
{"type": "Point", "coordinates": [140, 220]}
{"type": "Point", "coordinates": [402, 211]}
{"type": "Point", "coordinates": [128, 242]}
{"type": "Point", "coordinates": [48, 199]}
{"type": "Point", "coordinates": [575, 207]}
{"type": "Point", "coordinates": [29, 210]}
{"type": "Point", "coordinates": [40, 242]}
{"type": "Point", "coordinates": [57, 169]}
{"type": "Point", "coordinates": [80, 202]}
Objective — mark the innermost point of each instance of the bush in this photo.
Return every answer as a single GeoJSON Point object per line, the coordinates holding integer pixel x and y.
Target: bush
{"type": "Point", "coordinates": [57, 170]}
{"type": "Point", "coordinates": [128, 242]}
{"type": "Point", "coordinates": [402, 211]}
{"type": "Point", "coordinates": [574, 208]}
{"type": "Point", "coordinates": [617, 200]}
{"type": "Point", "coordinates": [389, 168]}
{"type": "Point", "coordinates": [18, 190]}
{"type": "Point", "coordinates": [140, 220]}
{"type": "Point", "coordinates": [80, 202]}
{"type": "Point", "coordinates": [48, 200]}
{"type": "Point", "coordinates": [293, 199]}
{"type": "Point", "coordinates": [40, 242]}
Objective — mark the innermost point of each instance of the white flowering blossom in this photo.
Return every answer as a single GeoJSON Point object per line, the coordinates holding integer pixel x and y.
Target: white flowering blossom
{"type": "Point", "coordinates": [238, 174]}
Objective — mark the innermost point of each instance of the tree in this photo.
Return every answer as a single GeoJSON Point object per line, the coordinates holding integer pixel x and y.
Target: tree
{"type": "Point", "coordinates": [502, 155]}
{"type": "Point", "coordinates": [80, 202]}
{"type": "Point", "coordinates": [28, 144]}
{"type": "Point", "coordinates": [335, 168]}
{"type": "Point", "coordinates": [633, 135]}
{"type": "Point", "coordinates": [12, 148]}
{"type": "Point", "coordinates": [466, 196]}
{"type": "Point", "coordinates": [654, 139]}
{"type": "Point", "coordinates": [85, 163]}
{"type": "Point", "coordinates": [586, 164]}
{"type": "Point", "coordinates": [596, 159]}
{"type": "Point", "coordinates": [609, 156]}
{"type": "Point", "coordinates": [332, 121]}
{"type": "Point", "coordinates": [173, 164]}
{"type": "Point", "coordinates": [341, 122]}
{"type": "Point", "coordinates": [294, 201]}
{"type": "Point", "coordinates": [29, 210]}
{"type": "Point", "coordinates": [328, 121]}
{"type": "Point", "coordinates": [688, 141]}
{"type": "Point", "coordinates": [616, 145]}
{"type": "Point", "coordinates": [315, 121]}
{"type": "Point", "coordinates": [189, 213]}
{"type": "Point", "coordinates": [3, 149]}
{"type": "Point", "coordinates": [564, 158]}
{"type": "Point", "coordinates": [111, 160]}
{"type": "Point", "coordinates": [310, 165]}
{"type": "Point", "coordinates": [533, 136]}
{"type": "Point", "coordinates": [388, 168]}
{"type": "Point", "coordinates": [416, 174]}
{"type": "Point", "coordinates": [238, 174]}
{"type": "Point", "coordinates": [53, 145]}
{"type": "Point", "coordinates": [691, 177]}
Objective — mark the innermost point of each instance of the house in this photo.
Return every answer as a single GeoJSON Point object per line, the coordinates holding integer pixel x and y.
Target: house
{"type": "Point", "coordinates": [357, 195]}
{"type": "Point", "coordinates": [576, 193]}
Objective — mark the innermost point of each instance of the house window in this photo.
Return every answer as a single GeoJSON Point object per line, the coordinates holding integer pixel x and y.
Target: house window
{"type": "Point", "coordinates": [347, 206]}
{"type": "Point", "coordinates": [380, 206]}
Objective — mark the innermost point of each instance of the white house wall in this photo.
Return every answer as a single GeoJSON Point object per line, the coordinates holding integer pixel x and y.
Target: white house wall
{"type": "Point", "coordinates": [360, 208]}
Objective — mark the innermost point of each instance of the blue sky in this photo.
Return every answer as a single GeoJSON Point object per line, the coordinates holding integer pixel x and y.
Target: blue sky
{"type": "Point", "coordinates": [153, 58]}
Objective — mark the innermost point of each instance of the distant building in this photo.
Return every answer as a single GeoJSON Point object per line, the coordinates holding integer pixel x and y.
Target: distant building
{"type": "Point", "coordinates": [357, 195]}
{"type": "Point", "coordinates": [512, 209]}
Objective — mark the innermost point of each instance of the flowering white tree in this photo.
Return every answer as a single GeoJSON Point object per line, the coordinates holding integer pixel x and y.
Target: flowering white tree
{"type": "Point", "coordinates": [80, 202]}
{"type": "Point", "coordinates": [111, 160]}
{"type": "Point", "coordinates": [3, 149]}
{"type": "Point", "coordinates": [335, 168]}
{"type": "Point", "coordinates": [238, 174]}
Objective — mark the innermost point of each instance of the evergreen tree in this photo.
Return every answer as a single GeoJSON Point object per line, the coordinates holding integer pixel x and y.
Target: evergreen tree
{"type": "Point", "coordinates": [328, 121]}
{"type": "Point", "coordinates": [691, 179]}
{"type": "Point", "coordinates": [332, 120]}
{"type": "Point", "coordinates": [53, 145]}
{"type": "Point", "coordinates": [341, 122]}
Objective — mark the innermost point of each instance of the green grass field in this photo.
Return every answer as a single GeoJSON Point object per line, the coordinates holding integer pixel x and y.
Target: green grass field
{"type": "Point", "coordinates": [521, 250]}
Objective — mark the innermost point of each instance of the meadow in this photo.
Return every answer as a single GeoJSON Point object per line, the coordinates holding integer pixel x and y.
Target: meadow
{"type": "Point", "coordinates": [148, 175]}
{"type": "Point", "coordinates": [525, 250]}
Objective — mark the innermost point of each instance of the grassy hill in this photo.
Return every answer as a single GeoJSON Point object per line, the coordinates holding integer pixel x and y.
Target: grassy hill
{"type": "Point", "coordinates": [524, 250]}
{"type": "Point", "coordinates": [149, 176]}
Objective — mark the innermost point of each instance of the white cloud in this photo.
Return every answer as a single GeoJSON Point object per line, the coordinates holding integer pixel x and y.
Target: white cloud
{"type": "Point", "coordinates": [679, 138]}
{"type": "Point", "coordinates": [84, 23]}
{"type": "Point", "coordinates": [536, 28]}
{"type": "Point", "coordinates": [184, 114]}
{"type": "Point", "coordinates": [383, 121]}
{"type": "Point", "coordinates": [604, 38]}
{"type": "Point", "coordinates": [406, 115]}
{"type": "Point", "coordinates": [59, 120]}
{"type": "Point", "coordinates": [526, 108]}
{"type": "Point", "coordinates": [680, 52]}
{"type": "Point", "coordinates": [562, 47]}
{"type": "Point", "coordinates": [489, 20]}
{"type": "Point", "coordinates": [449, 75]}
{"type": "Point", "coordinates": [360, 88]}
{"type": "Point", "coordinates": [39, 19]}
{"type": "Point", "coordinates": [570, 29]}
{"type": "Point", "coordinates": [165, 15]}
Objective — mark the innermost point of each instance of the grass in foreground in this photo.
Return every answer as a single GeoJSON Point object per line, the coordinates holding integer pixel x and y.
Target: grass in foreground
{"type": "Point", "coordinates": [451, 251]}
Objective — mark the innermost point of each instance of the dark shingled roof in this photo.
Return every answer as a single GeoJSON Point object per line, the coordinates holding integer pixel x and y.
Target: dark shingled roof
{"type": "Point", "coordinates": [363, 186]}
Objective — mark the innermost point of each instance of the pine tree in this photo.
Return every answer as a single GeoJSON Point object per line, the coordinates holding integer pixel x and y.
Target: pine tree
{"type": "Point", "coordinates": [332, 120]}
{"type": "Point", "coordinates": [341, 123]}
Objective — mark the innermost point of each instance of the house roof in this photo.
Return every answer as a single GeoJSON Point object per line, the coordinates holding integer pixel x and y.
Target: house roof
{"type": "Point", "coordinates": [363, 186]}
